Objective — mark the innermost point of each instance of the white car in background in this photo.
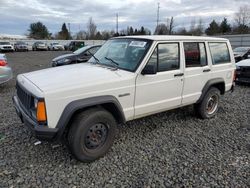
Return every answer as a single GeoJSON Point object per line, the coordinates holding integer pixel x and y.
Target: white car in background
{"type": "Point", "coordinates": [5, 71]}
{"type": "Point", "coordinates": [55, 46]}
{"type": "Point", "coordinates": [6, 46]}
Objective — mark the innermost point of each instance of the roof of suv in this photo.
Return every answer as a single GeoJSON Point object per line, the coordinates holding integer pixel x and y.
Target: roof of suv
{"type": "Point", "coordinates": [174, 37]}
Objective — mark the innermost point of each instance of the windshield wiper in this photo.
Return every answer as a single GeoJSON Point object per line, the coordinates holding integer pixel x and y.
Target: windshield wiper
{"type": "Point", "coordinates": [112, 61]}
{"type": "Point", "coordinates": [96, 59]}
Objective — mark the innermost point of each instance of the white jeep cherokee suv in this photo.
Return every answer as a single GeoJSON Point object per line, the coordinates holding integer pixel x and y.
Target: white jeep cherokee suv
{"type": "Point", "coordinates": [128, 78]}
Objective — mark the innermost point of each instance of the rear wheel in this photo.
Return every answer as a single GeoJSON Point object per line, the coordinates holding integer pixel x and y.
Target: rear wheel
{"type": "Point", "coordinates": [209, 105]}
{"type": "Point", "coordinates": [91, 134]}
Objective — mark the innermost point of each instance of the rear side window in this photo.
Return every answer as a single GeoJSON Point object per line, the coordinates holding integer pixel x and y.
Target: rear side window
{"type": "Point", "coordinates": [219, 53]}
{"type": "Point", "coordinates": [195, 54]}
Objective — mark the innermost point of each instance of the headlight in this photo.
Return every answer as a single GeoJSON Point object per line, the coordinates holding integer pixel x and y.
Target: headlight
{"type": "Point", "coordinates": [35, 103]}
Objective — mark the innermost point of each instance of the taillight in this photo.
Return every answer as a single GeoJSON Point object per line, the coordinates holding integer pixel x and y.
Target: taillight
{"type": "Point", "coordinates": [234, 76]}
{"type": "Point", "coordinates": [3, 62]}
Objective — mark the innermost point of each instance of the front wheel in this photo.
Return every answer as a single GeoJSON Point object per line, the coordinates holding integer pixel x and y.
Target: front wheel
{"type": "Point", "coordinates": [209, 105]}
{"type": "Point", "coordinates": [91, 134]}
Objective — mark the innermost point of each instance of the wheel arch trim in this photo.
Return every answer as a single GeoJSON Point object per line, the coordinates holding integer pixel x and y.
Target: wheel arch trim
{"type": "Point", "coordinates": [209, 84]}
{"type": "Point", "coordinates": [77, 105]}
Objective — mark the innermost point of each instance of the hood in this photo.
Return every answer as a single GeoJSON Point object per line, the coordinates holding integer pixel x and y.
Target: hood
{"type": "Point", "coordinates": [9, 45]}
{"type": "Point", "coordinates": [244, 63]}
{"type": "Point", "coordinates": [71, 56]}
{"type": "Point", "coordinates": [75, 76]}
{"type": "Point", "coordinates": [238, 54]}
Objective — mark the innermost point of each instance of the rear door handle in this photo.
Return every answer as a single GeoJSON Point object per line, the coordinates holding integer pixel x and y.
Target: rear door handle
{"type": "Point", "coordinates": [180, 74]}
{"type": "Point", "coordinates": [206, 70]}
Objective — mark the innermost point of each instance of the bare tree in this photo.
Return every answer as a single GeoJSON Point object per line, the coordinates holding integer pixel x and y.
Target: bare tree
{"type": "Point", "coordinates": [171, 26]}
{"type": "Point", "coordinates": [161, 29]}
{"type": "Point", "coordinates": [242, 17]}
{"type": "Point", "coordinates": [199, 29]}
{"type": "Point", "coordinates": [81, 35]}
{"type": "Point", "coordinates": [192, 26]}
{"type": "Point", "coordinates": [91, 29]}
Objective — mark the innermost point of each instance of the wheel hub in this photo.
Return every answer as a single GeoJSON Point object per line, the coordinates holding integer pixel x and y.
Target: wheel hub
{"type": "Point", "coordinates": [96, 136]}
{"type": "Point", "coordinates": [212, 104]}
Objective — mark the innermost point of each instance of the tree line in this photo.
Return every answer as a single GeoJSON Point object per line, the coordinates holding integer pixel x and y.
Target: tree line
{"type": "Point", "coordinates": [241, 25]}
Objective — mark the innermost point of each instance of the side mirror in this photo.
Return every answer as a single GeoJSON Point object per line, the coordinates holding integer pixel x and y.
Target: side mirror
{"type": "Point", "coordinates": [149, 69]}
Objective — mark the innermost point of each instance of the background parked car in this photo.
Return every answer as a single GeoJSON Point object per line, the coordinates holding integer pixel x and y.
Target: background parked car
{"type": "Point", "coordinates": [55, 46]}
{"type": "Point", "coordinates": [6, 47]}
{"type": "Point", "coordinates": [21, 46]}
{"type": "Point", "coordinates": [5, 71]}
{"type": "Point", "coordinates": [39, 46]}
{"type": "Point", "coordinates": [241, 53]}
{"type": "Point", "coordinates": [79, 56]}
{"type": "Point", "coordinates": [74, 45]}
{"type": "Point", "coordinates": [243, 71]}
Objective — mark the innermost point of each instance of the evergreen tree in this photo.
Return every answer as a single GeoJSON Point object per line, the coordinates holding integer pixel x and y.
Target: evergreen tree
{"type": "Point", "coordinates": [225, 27]}
{"type": "Point", "coordinates": [38, 31]}
{"type": "Point", "coordinates": [213, 28]}
{"type": "Point", "coordinates": [64, 33]}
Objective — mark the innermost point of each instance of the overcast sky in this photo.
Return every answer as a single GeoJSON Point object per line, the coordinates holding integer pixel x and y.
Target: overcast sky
{"type": "Point", "coordinates": [16, 15]}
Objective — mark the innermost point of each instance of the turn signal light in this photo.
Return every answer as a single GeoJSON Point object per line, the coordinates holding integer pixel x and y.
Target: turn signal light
{"type": "Point", "coordinates": [41, 112]}
{"type": "Point", "coordinates": [3, 63]}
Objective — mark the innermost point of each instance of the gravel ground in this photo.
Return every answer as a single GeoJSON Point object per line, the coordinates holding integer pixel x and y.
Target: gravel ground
{"type": "Point", "coordinates": [171, 149]}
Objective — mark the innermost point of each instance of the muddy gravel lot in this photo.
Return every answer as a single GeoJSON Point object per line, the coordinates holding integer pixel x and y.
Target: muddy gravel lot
{"type": "Point", "coordinates": [171, 149]}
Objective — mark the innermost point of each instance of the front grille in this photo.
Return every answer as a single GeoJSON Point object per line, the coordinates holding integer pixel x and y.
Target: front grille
{"type": "Point", "coordinates": [7, 47]}
{"type": "Point", "coordinates": [245, 71]}
{"type": "Point", "coordinates": [24, 97]}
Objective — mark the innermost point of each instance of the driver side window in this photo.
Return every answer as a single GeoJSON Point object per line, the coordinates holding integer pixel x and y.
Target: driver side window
{"type": "Point", "coordinates": [166, 57]}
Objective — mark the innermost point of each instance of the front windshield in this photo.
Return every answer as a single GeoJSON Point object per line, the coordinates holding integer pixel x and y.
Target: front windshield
{"type": "Point", "coordinates": [80, 50]}
{"type": "Point", "coordinates": [20, 42]}
{"type": "Point", "coordinates": [126, 53]}
{"type": "Point", "coordinates": [240, 49]}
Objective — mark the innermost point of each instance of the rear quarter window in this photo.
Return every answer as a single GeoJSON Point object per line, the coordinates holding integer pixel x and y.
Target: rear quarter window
{"type": "Point", "coordinates": [219, 52]}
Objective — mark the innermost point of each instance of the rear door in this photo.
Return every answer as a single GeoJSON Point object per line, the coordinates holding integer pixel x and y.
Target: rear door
{"type": "Point", "coordinates": [196, 70]}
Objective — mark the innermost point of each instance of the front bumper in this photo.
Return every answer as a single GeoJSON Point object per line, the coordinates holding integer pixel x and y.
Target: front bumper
{"type": "Point", "coordinates": [7, 49]}
{"type": "Point", "coordinates": [39, 131]}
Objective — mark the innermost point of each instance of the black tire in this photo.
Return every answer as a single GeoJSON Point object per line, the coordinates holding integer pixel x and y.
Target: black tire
{"type": "Point", "coordinates": [91, 134]}
{"type": "Point", "coordinates": [209, 105]}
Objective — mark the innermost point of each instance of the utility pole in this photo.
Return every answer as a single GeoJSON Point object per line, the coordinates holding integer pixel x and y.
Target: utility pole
{"type": "Point", "coordinates": [158, 14]}
{"type": "Point", "coordinates": [69, 27]}
{"type": "Point", "coordinates": [117, 23]}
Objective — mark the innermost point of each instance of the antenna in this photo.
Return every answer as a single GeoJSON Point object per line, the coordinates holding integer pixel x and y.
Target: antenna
{"type": "Point", "coordinates": [158, 13]}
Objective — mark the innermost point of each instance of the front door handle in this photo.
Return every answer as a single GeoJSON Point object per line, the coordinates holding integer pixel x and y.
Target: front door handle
{"type": "Point", "coordinates": [206, 70]}
{"type": "Point", "coordinates": [180, 74]}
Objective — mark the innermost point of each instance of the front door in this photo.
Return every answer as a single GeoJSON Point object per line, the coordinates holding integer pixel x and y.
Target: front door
{"type": "Point", "coordinates": [162, 90]}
